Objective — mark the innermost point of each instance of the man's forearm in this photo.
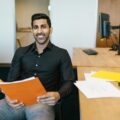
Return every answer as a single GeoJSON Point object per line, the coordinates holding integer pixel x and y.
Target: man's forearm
{"type": "Point", "coordinates": [66, 89]}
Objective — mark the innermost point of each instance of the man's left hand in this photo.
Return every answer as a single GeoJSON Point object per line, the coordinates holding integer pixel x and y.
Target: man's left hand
{"type": "Point", "coordinates": [50, 98]}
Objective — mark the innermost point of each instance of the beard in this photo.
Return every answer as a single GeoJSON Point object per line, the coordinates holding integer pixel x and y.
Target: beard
{"type": "Point", "coordinates": [41, 38]}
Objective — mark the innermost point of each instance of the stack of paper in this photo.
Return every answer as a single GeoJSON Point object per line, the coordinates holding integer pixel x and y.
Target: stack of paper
{"type": "Point", "coordinates": [97, 89]}
{"type": "Point", "coordinates": [97, 85]}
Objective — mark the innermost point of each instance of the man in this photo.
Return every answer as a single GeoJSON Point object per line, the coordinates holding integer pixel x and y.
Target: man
{"type": "Point", "coordinates": [48, 62]}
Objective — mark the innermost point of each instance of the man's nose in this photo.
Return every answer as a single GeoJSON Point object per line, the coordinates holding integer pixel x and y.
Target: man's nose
{"type": "Point", "coordinates": [39, 30]}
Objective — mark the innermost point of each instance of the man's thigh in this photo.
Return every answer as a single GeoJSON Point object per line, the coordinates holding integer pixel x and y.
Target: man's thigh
{"type": "Point", "coordinates": [9, 113]}
{"type": "Point", "coordinates": [40, 112]}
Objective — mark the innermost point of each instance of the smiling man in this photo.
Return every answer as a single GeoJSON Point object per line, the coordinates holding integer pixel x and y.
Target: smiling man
{"type": "Point", "coordinates": [44, 60]}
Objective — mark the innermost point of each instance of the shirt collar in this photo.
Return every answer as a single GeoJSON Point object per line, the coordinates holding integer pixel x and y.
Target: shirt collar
{"type": "Point", "coordinates": [49, 46]}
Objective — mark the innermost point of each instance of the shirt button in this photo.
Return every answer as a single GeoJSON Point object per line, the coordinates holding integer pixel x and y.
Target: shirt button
{"type": "Point", "coordinates": [35, 74]}
{"type": "Point", "coordinates": [39, 56]}
{"type": "Point", "coordinates": [36, 65]}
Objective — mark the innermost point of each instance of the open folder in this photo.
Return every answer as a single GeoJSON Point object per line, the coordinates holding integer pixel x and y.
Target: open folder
{"type": "Point", "coordinates": [25, 91]}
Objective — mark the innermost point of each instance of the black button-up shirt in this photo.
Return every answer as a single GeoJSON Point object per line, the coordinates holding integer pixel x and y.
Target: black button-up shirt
{"type": "Point", "coordinates": [53, 67]}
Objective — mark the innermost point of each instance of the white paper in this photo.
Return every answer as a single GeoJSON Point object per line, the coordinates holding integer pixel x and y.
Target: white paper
{"type": "Point", "coordinates": [97, 89]}
{"type": "Point", "coordinates": [18, 81]}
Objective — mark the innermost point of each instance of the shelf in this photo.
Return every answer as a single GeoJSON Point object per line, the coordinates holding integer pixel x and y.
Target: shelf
{"type": "Point", "coordinates": [24, 29]}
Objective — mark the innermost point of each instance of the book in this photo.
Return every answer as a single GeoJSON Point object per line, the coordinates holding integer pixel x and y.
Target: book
{"type": "Point", "coordinates": [113, 76]}
{"type": "Point", "coordinates": [25, 91]}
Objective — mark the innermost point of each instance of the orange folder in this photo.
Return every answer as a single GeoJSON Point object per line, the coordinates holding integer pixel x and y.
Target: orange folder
{"type": "Point", "coordinates": [25, 91]}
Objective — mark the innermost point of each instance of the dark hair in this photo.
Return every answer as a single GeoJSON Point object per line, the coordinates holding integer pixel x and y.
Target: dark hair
{"type": "Point", "coordinates": [40, 16]}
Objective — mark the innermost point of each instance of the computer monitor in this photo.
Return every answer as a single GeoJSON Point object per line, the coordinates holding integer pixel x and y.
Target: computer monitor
{"type": "Point", "coordinates": [104, 25]}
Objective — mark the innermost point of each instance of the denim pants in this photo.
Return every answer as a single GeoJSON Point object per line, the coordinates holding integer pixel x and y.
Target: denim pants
{"type": "Point", "coordinates": [33, 112]}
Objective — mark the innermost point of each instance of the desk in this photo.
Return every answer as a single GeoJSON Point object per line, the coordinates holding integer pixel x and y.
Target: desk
{"type": "Point", "coordinates": [105, 58]}
{"type": "Point", "coordinates": [102, 108]}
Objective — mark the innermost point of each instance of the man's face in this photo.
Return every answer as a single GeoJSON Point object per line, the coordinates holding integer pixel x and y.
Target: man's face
{"type": "Point", "coordinates": [41, 31]}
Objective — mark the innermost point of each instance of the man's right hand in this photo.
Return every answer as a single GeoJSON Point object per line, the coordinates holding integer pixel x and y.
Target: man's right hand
{"type": "Point", "coordinates": [13, 103]}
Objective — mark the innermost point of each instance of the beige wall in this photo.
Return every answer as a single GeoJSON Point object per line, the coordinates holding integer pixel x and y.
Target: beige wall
{"type": "Point", "coordinates": [24, 10]}
{"type": "Point", "coordinates": [112, 7]}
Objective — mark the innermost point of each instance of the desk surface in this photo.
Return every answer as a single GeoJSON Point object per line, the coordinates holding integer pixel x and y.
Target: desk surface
{"type": "Point", "coordinates": [104, 58]}
{"type": "Point", "coordinates": [102, 108]}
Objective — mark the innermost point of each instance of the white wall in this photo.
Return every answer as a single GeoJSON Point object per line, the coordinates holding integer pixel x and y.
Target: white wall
{"type": "Point", "coordinates": [7, 30]}
{"type": "Point", "coordinates": [74, 23]}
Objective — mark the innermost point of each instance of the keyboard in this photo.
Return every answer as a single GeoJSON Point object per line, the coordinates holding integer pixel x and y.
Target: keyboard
{"type": "Point", "coordinates": [90, 52]}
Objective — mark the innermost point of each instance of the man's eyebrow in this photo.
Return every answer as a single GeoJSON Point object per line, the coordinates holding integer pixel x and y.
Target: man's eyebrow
{"type": "Point", "coordinates": [43, 25]}
{"type": "Point", "coordinates": [35, 25]}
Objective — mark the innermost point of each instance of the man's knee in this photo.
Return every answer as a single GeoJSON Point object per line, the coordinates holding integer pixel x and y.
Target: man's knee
{"type": "Point", "coordinates": [9, 113]}
{"type": "Point", "coordinates": [40, 111]}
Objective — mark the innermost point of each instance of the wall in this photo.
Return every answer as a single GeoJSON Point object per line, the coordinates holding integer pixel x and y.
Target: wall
{"type": "Point", "coordinates": [112, 7]}
{"type": "Point", "coordinates": [74, 23]}
{"type": "Point", "coordinates": [25, 9]}
{"type": "Point", "coordinates": [7, 30]}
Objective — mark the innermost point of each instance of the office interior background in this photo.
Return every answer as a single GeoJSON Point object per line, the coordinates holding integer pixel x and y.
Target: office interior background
{"type": "Point", "coordinates": [75, 23]}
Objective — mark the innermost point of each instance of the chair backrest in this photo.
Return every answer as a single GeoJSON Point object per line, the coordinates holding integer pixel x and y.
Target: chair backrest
{"type": "Point", "coordinates": [4, 72]}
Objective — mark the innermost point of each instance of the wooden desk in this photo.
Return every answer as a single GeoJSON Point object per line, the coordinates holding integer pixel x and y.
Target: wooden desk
{"type": "Point", "coordinates": [102, 108]}
{"type": "Point", "coordinates": [105, 58]}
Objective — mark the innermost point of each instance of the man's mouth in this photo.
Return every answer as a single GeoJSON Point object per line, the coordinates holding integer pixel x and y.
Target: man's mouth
{"type": "Point", "coordinates": [40, 36]}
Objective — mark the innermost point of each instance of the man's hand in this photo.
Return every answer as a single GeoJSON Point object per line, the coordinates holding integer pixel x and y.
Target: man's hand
{"type": "Point", "coordinates": [14, 103]}
{"type": "Point", "coordinates": [49, 98]}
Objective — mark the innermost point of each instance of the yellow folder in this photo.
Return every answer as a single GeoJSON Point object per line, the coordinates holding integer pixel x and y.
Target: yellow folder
{"type": "Point", "coordinates": [113, 76]}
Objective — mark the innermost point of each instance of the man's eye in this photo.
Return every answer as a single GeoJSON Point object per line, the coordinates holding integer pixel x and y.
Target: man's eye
{"type": "Point", "coordinates": [35, 27]}
{"type": "Point", "coordinates": [43, 26]}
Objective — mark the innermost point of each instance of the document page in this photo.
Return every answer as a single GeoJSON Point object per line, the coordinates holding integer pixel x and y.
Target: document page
{"type": "Point", "coordinates": [97, 88]}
